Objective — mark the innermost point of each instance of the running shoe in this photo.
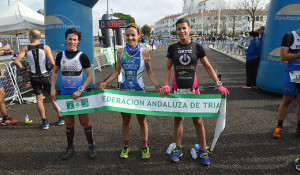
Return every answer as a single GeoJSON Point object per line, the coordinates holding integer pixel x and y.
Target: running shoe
{"type": "Point", "coordinates": [92, 149]}
{"type": "Point", "coordinates": [297, 163]}
{"type": "Point", "coordinates": [204, 157]}
{"type": "Point", "coordinates": [8, 121]}
{"type": "Point", "coordinates": [125, 151]}
{"type": "Point", "coordinates": [60, 121]}
{"type": "Point", "coordinates": [277, 133]}
{"type": "Point", "coordinates": [45, 125]}
{"type": "Point", "coordinates": [145, 152]}
{"type": "Point", "coordinates": [297, 132]}
{"type": "Point", "coordinates": [177, 152]}
{"type": "Point", "coordinates": [70, 151]}
{"type": "Point", "coordinates": [246, 87]}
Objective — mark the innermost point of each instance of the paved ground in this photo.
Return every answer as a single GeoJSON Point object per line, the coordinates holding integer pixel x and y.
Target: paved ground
{"type": "Point", "coordinates": [245, 146]}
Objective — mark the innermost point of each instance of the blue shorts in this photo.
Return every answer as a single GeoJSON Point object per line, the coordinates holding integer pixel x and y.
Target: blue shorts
{"type": "Point", "coordinates": [289, 88]}
{"type": "Point", "coordinates": [1, 85]}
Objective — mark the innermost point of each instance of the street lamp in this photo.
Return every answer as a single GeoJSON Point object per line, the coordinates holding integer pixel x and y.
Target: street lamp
{"type": "Point", "coordinates": [219, 21]}
{"type": "Point", "coordinates": [169, 27]}
{"type": "Point", "coordinates": [202, 20]}
{"type": "Point", "coordinates": [219, 16]}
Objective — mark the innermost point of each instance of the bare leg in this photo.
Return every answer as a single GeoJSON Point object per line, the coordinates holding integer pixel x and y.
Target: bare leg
{"type": "Point", "coordinates": [69, 121]}
{"type": "Point", "coordinates": [284, 107]}
{"type": "Point", "coordinates": [178, 129]}
{"type": "Point", "coordinates": [143, 126]}
{"type": "Point", "coordinates": [298, 107]}
{"type": "Point", "coordinates": [200, 131]}
{"type": "Point", "coordinates": [40, 105]}
{"type": "Point", "coordinates": [2, 102]}
{"type": "Point", "coordinates": [56, 110]}
{"type": "Point", "coordinates": [84, 120]}
{"type": "Point", "coordinates": [126, 126]}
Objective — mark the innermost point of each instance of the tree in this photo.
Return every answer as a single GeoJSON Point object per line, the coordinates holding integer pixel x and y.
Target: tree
{"type": "Point", "coordinates": [251, 6]}
{"type": "Point", "coordinates": [146, 30]}
{"type": "Point", "coordinates": [233, 18]}
{"type": "Point", "coordinates": [41, 11]}
{"type": "Point", "coordinates": [220, 6]}
{"type": "Point", "coordinates": [124, 16]}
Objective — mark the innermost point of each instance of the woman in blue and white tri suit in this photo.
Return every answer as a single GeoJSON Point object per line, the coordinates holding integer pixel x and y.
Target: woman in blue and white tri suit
{"type": "Point", "coordinates": [73, 64]}
{"type": "Point", "coordinates": [131, 61]}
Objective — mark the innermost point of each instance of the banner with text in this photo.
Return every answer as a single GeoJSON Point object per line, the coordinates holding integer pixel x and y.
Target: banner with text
{"type": "Point", "coordinates": [175, 105]}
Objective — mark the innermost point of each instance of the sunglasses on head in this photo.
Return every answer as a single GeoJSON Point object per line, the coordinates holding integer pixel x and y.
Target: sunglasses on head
{"type": "Point", "coordinates": [133, 25]}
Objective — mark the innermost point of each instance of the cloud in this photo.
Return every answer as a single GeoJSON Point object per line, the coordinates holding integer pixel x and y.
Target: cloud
{"type": "Point", "coordinates": [144, 11]}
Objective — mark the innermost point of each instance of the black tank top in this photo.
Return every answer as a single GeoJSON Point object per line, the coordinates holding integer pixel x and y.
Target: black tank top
{"type": "Point", "coordinates": [185, 59]}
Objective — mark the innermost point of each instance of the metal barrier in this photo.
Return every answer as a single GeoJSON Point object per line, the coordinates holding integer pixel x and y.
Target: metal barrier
{"type": "Point", "coordinates": [99, 62]}
{"type": "Point", "coordinates": [227, 46]}
{"type": "Point", "coordinates": [10, 87]}
{"type": "Point", "coordinates": [21, 77]}
{"type": "Point", "coordinates": [145, 46]}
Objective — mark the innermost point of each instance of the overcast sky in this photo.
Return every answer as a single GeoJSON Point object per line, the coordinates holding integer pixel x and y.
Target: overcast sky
{"type": "Point", "coordinates": [144, 11]}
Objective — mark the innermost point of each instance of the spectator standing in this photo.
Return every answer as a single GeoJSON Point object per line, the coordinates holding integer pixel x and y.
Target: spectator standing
{"type": "Point", "coordinates": [252, 60]}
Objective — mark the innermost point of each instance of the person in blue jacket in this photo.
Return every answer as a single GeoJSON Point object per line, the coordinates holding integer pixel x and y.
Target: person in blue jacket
{"type": "Point", "coordinates": [252, 60]}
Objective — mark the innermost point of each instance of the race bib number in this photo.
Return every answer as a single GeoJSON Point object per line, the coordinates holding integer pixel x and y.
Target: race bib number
{"type": "Point", "coordinates": [295, 76]}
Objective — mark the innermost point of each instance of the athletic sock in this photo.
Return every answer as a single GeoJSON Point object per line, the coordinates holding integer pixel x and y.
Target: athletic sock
{"type": "Point", "coordinates": [126, 142]}
{"type": "Point", "coordinates": [145, 142]}
{"type": "Point", "coordinates": [280, 122]}
{"type": "Point", "coordinates": [4, 117]}
{"type": "Point", "coordinates": [298, 124]}
{"type": "Point", "coordinates": [89, 135]}
{"type": "Point", "coordinates": [44, 120]}
{"type": "Point", "coordinates": [70, 136]}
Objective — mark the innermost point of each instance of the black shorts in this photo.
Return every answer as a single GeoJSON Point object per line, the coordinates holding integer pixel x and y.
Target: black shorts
{"type": "Point", "coordinates": [40, 83]}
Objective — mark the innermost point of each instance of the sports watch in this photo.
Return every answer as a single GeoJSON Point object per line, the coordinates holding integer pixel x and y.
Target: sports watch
{"type": "Point", "coordinates": [219, 83]}
{"type": "Point", "coordinates": [81, 89]}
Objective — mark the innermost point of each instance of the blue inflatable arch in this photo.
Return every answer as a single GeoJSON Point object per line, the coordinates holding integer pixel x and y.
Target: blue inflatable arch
{"type": "Point", "coordinates": [283, 17]}
{"type": "Point", "coordinates": [65, 14]}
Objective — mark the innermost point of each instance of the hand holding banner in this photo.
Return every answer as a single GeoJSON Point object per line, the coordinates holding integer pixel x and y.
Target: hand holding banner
{"type": "Point", "coordinates": [175, 105]}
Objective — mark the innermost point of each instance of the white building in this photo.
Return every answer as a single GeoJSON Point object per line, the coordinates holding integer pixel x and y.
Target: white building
{"type": "Point", "coordinates": [197, 6]}
{"type": "Point", "coordinates": [165, 26]}
{"type": "Point", "coordinates": [230, 19]}
{"type": "Point", "coordinates": [206, 15]}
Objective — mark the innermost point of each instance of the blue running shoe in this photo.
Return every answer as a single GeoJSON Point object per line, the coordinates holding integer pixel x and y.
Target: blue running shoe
{"type": "Point", "coordinates": [177, 152]}
{"type": "Point", "coordinates": [45, 125]}
{"type": "Point", "coordinates": [204, 157]}
{"type": "Point", "coordinates": [60, 121]}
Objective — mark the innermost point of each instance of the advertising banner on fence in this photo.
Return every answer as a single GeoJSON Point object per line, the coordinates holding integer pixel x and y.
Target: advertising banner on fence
{"type": "Point", "coordinates": [110, 55]}
{"type": "Point", "coordinates": [175, 105]}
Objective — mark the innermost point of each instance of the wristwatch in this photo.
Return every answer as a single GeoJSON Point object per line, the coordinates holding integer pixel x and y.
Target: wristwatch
{"type": "Point", "coordinates": [81, 89]}
{"type": "Point", "coordinates": [219, 83]}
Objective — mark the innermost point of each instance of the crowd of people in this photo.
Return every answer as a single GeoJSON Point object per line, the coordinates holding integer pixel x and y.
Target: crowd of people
{"type": "Point", "coordinates": [158, 42]}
